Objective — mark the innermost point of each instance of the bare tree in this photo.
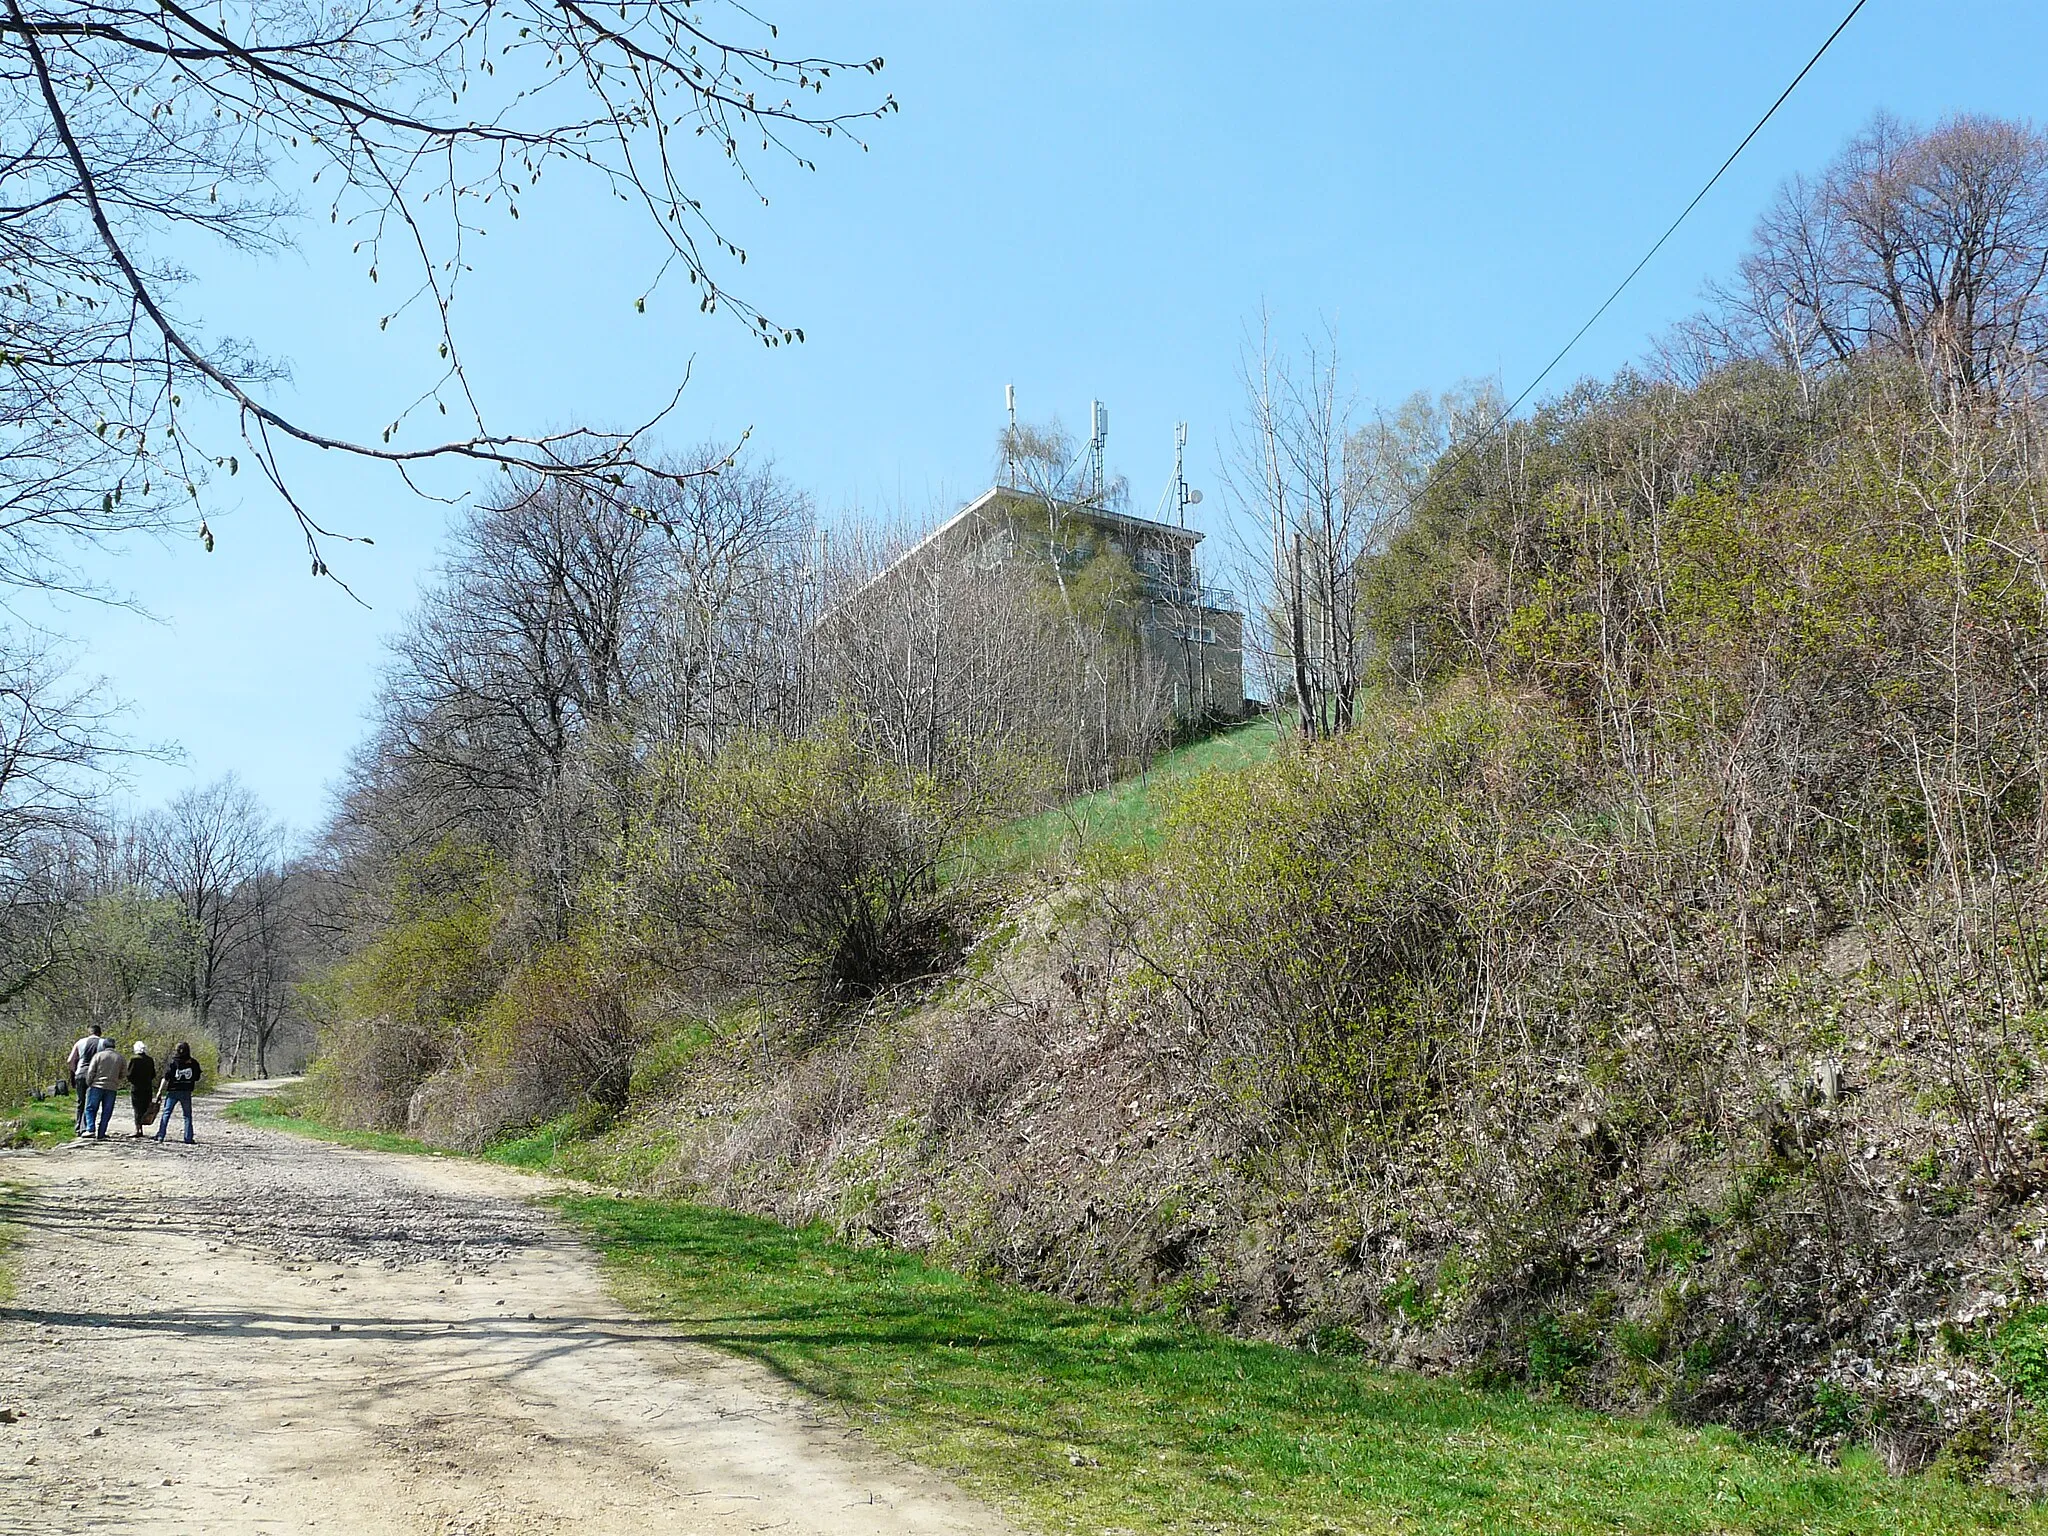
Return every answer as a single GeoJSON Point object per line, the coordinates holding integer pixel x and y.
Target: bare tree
{"type": "Point", "coordinates": [259, 987]}
{"type": "Point", "coordinates": [1323, 492]}
{"type": "Point", "coordinates": [410, 128]}
{"type": "Point", "coordinates": [1927, 245]}
{"type": "Point", "coordinates": [565, 615]}
{"type": "Point", "coordinates": [58, 743]}
{"type": "Point", "coordinates": [204, 848]}
{"type": "Point", "coordinates": [572, 632]}
{"type": "Point", "coordinates": [532, 638]}
{"type": "Point", "coordinates": [730, 643]}
{"type": "Point", "coordinates": [940, 657]}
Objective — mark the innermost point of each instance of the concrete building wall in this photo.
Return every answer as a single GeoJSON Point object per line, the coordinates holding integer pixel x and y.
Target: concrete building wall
{"type": "Point", "coordinates": [1197, 654]}
{"type": "Point", "coordinates": [1191, 636]}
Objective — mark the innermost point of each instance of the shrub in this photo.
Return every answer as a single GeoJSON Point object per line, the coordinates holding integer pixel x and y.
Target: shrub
{"type": "Point", "coordinates": [1835, 1409]}
{"type": "Point", "coordinates": [973, 1070]}
{"type": "Point", "coordinates": [1336, 911]}
{"type": "Point", "coordinates": [393, 1014]}
{"type": "Point", "coordinates": [832, 863]}
{"type": "Point", "coordinates": [1560, 1350]}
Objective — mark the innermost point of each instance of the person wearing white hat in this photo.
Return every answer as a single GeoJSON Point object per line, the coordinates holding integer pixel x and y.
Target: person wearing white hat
{"type": "Point", "coordinates": [142, 1086]}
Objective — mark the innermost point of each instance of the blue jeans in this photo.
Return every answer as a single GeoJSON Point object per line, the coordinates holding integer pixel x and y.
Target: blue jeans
{"type": "Point", "coordinates": [181, 1101]}
{"type": "Point", "coordinates": [99, 1110]}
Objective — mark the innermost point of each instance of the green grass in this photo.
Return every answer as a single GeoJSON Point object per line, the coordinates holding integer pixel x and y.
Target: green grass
{"type": "Point", "coordinates": [540, 1148]}
{"type": "Point", "coordinates": [572, 1145]}
{"type": "Point", "coordinates": [284, 1112]}
{"type": "Point", "coordinates": [1125, 816]}
{"type": "Point", "coordinates": [1088, 1420]}
{"type": "Point", "coordinates": [11, 1200]}
{"type": "Point", "coordinates": [46, 1122]}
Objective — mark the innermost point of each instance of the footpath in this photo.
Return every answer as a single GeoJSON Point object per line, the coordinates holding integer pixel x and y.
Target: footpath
{"type": "Point", "coordinates": [263, 1333]}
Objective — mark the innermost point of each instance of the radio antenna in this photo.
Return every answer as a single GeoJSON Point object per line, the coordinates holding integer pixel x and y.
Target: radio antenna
{"type": "Point", "coordinates": [1098, 442]}
{"type": "Point", "coordinates": [1010, 442]}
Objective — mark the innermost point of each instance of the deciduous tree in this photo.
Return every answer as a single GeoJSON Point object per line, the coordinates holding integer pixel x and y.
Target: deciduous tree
{"type": "Point", "coordinates": [135, 136]}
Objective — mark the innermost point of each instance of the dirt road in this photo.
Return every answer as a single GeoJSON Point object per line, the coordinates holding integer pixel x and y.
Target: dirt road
{"type": "Point", "coordinates": [265, 1334]}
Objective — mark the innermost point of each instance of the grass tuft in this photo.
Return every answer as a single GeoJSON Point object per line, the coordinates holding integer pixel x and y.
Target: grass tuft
{"type": "Point", "coordinates": [47, 1122]}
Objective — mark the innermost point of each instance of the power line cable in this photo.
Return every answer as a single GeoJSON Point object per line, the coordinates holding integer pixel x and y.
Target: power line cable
{"type": "Point", "coordinates": [1471, 444]}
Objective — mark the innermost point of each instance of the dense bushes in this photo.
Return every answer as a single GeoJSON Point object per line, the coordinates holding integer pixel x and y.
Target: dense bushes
{"type": "Point", "coordinates": [807, 871]}
{"type": "Point", "coordinates": [1342, 918]}
{"type": "Point", "coordinates": [831, 860]}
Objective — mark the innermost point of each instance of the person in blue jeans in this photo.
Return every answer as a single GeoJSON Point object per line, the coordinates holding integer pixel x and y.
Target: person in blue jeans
{"type": "Point", "coordinates": [181, 1078]}
{"type": "Point", "coordinates": [104, 1075]}
{"type": "Point", "coordinates": [74, 1070]}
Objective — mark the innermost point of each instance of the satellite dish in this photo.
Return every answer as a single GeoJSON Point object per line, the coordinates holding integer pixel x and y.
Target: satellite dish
{"type": "Point", "coordinates": [1194, 498]}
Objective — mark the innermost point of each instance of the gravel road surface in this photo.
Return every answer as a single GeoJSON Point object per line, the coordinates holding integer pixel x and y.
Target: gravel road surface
{"type": "Point", "coordinates": [267, 1334]}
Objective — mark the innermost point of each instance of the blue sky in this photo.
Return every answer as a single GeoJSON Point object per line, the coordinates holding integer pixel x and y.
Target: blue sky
{"type": "Point", "coordinates": [1085, 200]}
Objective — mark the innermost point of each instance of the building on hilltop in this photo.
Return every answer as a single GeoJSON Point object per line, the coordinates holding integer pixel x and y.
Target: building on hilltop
{"type": "Point", "coordinates": [1189, 636]}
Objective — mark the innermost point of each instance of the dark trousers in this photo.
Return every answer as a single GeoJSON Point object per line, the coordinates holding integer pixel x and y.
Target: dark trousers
{"type": "Point", "coordinates": [176, 1101]}
{"type": "Point", "coordinates": [143, 1103]}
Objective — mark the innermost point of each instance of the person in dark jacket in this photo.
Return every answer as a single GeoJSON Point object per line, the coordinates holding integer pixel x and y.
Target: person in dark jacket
{"type": "Point", "coordinates": [142, 1086]}
{"type": "Point", "coordinates": [181, 1078]}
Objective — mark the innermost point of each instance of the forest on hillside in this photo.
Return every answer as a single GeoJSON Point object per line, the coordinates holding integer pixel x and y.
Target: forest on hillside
{"type": "Point", "coordinates": [1625, 976]}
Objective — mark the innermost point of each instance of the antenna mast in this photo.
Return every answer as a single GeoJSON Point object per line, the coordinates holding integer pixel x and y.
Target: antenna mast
{"type": "Point", "coordinates": [1183, 497]}
{"type": "Point", "coordinates": [1098, 441]}
{"type": "Point", "coordinates": [1180, 475]}
{"type": "Point", "coordinates": [1010, 442]}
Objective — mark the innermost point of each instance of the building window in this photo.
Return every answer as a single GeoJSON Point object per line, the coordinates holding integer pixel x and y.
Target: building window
{"type": "Point", "coordinates": [1196, 634]}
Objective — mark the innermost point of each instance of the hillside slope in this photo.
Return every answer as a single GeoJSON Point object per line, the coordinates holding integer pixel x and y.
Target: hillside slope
{"type": "Point", "coordinates": [1768, 1217]}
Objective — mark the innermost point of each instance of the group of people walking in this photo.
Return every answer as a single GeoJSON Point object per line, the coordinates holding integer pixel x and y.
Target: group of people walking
{"type": "Point", "coordinates": [97, 1071]}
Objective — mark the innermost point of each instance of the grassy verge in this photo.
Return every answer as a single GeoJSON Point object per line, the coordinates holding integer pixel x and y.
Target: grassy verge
{"type": "Point", "coordinates": [283, 1112]}
{"type": "Point", "coordinates": [572, 1146]}
{"type": "Point", "coordinates": [1124, 816]}
{"type": "Point", "coordinates": [10, 1234]}
{"type": "Point", "coordinates": [46, 1122]}
{"type": "Point", "coordinates": [1088, 1420]}
{"type": "Point", "coordinates": [1079, 1419]}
